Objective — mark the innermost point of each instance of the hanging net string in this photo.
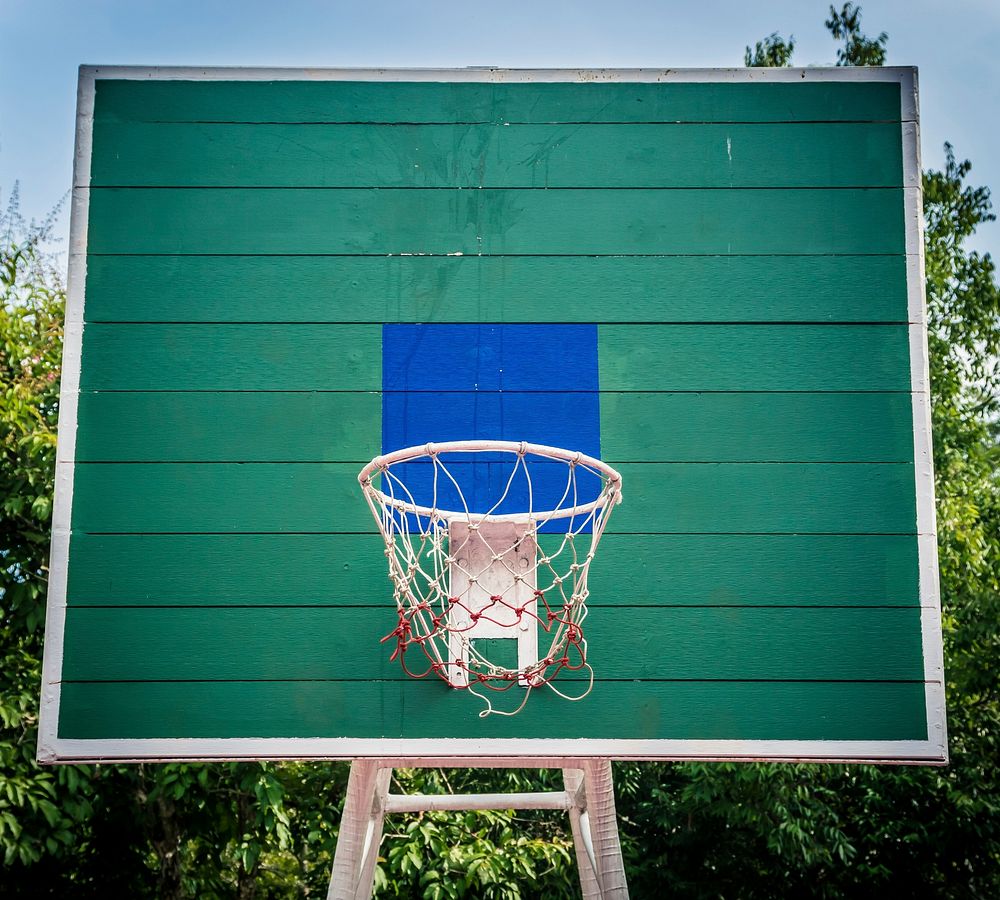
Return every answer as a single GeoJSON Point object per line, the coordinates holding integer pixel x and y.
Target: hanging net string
{"type": "Point", "coordinates": [468, 566]}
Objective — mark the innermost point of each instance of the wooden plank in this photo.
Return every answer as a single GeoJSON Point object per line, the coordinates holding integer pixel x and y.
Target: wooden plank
{"type": "Point", "coordinates": [694, 710]}
{"type": "Point", "coordinates": [496, 221]}
{"type": "Point", "coordinates": [755, 569]}
{"type": "Point", "coordinates": [496, 289]}
{"type": "Point", "coordinates": [629, 570]}
{"type": "Point", "coordinates": [231, 357]}
{"type": "Point", "coordinates": [817, 154]}
{"type": "Point", "coordinates": [754, 358]}
{"type": "Point", "coordinates": [227, 569]}
{"type": "Point", "coordinates": [313, 357]}
{"type": "Point", "coordinates": [766, 497]}
{"type": "Point", "coordinates": [401, 101]}
{"type": "Point", "coordinates": [756, 427]}
{"type": "Point", "coordinates": [278, 426]}
{"type": "Point", "coordinates": [692, 643]}
{"type": "Point", "coordinates": [282, 426]}
{"type": "Point", "coordinates": [864, 498]}
{"type": "Point", "coordinates": [219, 497]}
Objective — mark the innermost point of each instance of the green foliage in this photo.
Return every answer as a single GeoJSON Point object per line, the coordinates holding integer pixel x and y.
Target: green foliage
{"type": "Point", "coordinates": [772, 52]}
{"type": "Point", "coordinates": [963, 302]}
{"type": "Point", "coordinates": [494, 855]}
{"type": "Point", "coordinates": [31, 305]}
{"type": "Point", "coordinates": [732, 829]}
{"type": "Point", "coordinates": [858, 50]}
{"type": "Point", "coordinates": [38, 810]}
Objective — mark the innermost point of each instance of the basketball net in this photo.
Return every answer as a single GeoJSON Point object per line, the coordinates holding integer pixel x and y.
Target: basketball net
{"type": "Point", "coordinates": [464, 577]}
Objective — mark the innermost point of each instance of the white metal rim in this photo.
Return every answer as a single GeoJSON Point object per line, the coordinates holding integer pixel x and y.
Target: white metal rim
{"type": "Point", "coordinates": [609, 495]}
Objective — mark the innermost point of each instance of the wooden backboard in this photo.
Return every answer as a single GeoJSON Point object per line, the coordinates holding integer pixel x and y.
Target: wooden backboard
{"type": "Point", "coordinates": [710, 279]}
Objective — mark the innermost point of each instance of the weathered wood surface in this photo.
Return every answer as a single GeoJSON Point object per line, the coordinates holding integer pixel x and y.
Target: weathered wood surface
{"type": "Point", "coordinates": [232, 357]}
{"type": "Point", "coordinates": [693, 710]}
{"type": "Point", "coordinates": [475, 103]}
{"type": "Point", "coordinates": [865, 498]}
{"type": "Point", "coordinates": [746, 265]}
{"type": "Point", "coordinates": [520, 156]}
{"type": "Point", "coordinates": [629, 570]}
{"type": "Point", "coordinates": [496, 289]}
{"type": "Point", "coordinates": [569, 221]}
{"type": "Point", "coordinates": [754, 357]}
{"type": "Point", "coordinates": [310, 426]}
{"type": "Point", "coordinates": [310, 357]}
{"type": "Point", "coordinates": [654, 643]}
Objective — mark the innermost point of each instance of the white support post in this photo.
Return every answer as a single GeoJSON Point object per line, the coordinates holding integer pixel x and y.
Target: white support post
{"type": "Point", "coordinates": [589, 799]}
{"type": "Point", "coordinates": [603, 821]}
{"type": "Point", "coordinates": [579, 821]}
{"type": "Point", "coordinates": [373, 836]}
{"type": "Point", "coordinates": [360, 831]}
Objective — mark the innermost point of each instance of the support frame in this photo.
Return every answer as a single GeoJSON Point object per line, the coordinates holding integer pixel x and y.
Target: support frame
{"type": "Point", "coordinates": [588, 798]}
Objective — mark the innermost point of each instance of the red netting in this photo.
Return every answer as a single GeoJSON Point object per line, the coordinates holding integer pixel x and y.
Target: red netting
{"type": "Point", "coordinates": [492, 677]}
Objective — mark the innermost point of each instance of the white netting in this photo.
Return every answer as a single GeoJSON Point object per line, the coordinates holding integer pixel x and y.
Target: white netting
{"type": "Point", "coordinates": [507, 556]}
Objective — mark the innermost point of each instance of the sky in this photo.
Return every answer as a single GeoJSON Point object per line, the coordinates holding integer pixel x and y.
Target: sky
{"type": "Point", "coordinates": [42, 42]}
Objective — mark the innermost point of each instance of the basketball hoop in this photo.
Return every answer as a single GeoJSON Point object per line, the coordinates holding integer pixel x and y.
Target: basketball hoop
{"type": "Point", "coordinates": [486, 563]}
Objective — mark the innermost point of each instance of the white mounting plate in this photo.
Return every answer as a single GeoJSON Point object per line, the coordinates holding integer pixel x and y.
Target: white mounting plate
{"type": "Point", "coordinates": [492, 559]}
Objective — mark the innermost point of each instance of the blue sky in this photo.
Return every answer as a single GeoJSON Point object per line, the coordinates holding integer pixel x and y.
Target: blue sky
{"type": "Point", "coordinates": [43, 42]}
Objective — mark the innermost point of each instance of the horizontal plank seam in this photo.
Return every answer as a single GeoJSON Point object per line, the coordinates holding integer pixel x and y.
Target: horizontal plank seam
{"type": "Point", "coordinates": [90, 390]}
{"type": "Point", "coordinates": [404, 255]}
{"type": "Point", "coordinates": [373, 392]}
{"type": "Point", "coordinates": [612, 461]}
{"type": "Point", "coordinates": [672, 322]}
{"type": "Point", "coordinates": [387, 188]}
{"type": "Point", "coordinates": [592, 605]}
{"type": "Point", "coordinates": [105, 119]}
{"type": "Point", "coordinates": [465, 256]}
{"type": "Point", "coordinates": [628, 533]}
{"type": "Point", "coordinates": [404, 678]}
{"type": "Point", "coordinates": [362, 462]}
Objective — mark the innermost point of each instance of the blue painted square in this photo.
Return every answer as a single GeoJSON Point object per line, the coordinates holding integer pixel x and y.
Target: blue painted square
{"type": "Point", "coordinates": [535, 383]}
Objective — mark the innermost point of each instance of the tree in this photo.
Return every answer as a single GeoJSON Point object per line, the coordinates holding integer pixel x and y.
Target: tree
{"type": "Point", "coordinates": [858, 50]}
{"type": "Point", "coordinates": [772, 52]}
{"type": "Point", "coordinates": [38, 810]}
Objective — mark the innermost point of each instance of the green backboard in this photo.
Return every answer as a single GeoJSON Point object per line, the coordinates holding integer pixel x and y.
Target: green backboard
{"type": "Point", "coordinates": [710, 279]}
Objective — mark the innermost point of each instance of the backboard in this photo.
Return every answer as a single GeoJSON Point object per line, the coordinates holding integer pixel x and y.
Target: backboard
{"type": "Point", "coordinates": [709, 279]}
